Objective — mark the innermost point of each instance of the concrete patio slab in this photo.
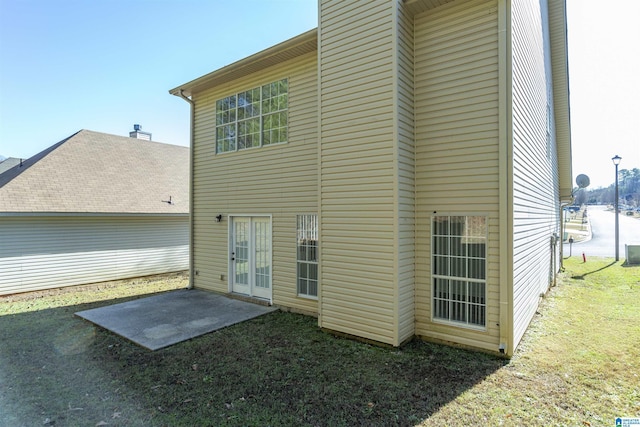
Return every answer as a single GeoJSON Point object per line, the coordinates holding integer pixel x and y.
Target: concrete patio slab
{"type": "Point", "coordinates": [166, 319]}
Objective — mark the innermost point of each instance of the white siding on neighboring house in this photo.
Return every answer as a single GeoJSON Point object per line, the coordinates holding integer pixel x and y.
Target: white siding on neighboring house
{"type": "Point", "coordinates": [278, 180]}
{"type": "Point", "coordinates": [43, 252]}
{"type": "Point", "coordinates": [535, 173]}
{"type": "Point", "coordinates": [457, 170]}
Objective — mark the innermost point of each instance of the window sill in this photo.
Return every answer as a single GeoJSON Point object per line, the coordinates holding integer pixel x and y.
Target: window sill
{"type": "Point", "coordinates": [459, 325]}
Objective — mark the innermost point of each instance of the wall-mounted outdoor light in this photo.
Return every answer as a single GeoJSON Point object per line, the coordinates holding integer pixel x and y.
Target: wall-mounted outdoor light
{"type": "Point", "coordinates": [219, 218]}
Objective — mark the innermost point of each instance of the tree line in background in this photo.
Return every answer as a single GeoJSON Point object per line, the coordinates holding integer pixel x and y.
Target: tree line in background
{"type": "Point", "coordinates": [628, 190]}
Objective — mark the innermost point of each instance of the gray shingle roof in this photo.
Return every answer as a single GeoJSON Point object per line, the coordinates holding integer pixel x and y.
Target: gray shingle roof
{"type": "Point", "coordinates": [92, 172]}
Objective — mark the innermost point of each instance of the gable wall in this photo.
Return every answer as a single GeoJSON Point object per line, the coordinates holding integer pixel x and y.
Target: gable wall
{"type": "Point", "coordinates": [279, 180]}
{"type": "Point", "coordinates": [535, 170]}
{"type": "Point", "coordinates": [357, 170]}
{"type": "Point", "coordinates": [457, 171]}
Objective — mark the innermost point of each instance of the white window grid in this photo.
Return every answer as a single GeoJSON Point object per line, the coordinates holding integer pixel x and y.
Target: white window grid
{"type": "Point", "coordinates": [253, 118]}
{"type": "Point", "coordinates": [307, 255]}
{"type": "Point", "coordinates": [459, 270]}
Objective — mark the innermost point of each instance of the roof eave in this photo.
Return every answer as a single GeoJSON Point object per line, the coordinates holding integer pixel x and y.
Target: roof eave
{"type": "Point", "coordinates": [300, 45]}
{"type": "Point", "coordinates": [562, 110]}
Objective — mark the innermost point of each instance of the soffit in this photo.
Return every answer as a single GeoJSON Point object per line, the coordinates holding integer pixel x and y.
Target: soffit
{"type": "Point", "coordinates": [562, 109]}
{"type": "Point", "coordinates": [418, 6]}
{"type": "Point", "coordinates": [290, 49]}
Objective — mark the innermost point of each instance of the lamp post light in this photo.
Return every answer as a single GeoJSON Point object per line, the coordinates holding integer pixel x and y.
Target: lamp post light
{"type": "Point", "coordinates": [616, 162]}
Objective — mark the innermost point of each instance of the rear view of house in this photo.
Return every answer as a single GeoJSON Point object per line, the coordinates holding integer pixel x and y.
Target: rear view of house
{"type": "Point", "coordinates": [397, 172]}
{"type": "Point", "coordinates": [91, 208]}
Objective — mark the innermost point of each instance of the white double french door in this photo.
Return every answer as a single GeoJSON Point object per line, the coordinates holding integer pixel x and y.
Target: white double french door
{"type": "Point", "coordinates": [250, 266]}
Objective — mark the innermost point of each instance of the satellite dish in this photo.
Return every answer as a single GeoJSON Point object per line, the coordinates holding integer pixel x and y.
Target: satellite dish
{"type": "Point", "coordinates": [583, 181]}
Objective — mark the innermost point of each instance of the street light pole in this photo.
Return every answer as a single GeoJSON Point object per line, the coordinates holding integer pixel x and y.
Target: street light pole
{"type": "Point", "coordinates": [616, 161]}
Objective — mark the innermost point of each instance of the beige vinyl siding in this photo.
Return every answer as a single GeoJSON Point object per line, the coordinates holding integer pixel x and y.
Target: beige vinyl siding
{"type": "Point", "coordinates": [44, 252]}
{"type": "Point", "coordinates": [405, 175]}
{"type": "Point", "coordinates": [280, 180]}
{"type": "Point", "coordinates": [357, 194]}
{"type": "Point", "coordinates": [560, 73]}
{"type": "Point", "coordinates": [457, 171]}
{"type": "Point", "coordinates": [535, 181]}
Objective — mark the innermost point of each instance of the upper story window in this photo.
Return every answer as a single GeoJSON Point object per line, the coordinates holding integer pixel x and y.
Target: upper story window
{"type": "Point", "coordinates": [253, 118]}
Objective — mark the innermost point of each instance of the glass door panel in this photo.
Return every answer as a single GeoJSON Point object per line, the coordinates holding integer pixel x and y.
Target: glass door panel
{"type": "Point", "coordinates": [251, 256]}
{"type": "Point", "coordinates": [262, 257]}
{"type": "Point", "coordinates": [240, 255]}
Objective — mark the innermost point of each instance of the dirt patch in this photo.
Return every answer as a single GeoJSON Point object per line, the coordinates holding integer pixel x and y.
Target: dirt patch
{"type": "Point", "coordinates": [180, 278]}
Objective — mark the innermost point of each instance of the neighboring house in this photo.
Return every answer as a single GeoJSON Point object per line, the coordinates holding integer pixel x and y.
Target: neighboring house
{"type": "Point", "coordinates": [397, 172]}
{"type": "Point", "coordinates": [91, 208]}
{"type": "Point", "coordinates": [7, 164]}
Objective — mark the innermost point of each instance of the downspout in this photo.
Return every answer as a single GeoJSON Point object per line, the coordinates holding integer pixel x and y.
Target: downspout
{"type": "Point", "coordinates": [191, 151]}
{"type": "Point", "coordinates": [319, 165]}
{"type": "Point", "coordinates": [562, 205]}
{"type": "Point", "coordinates": [505, 143]}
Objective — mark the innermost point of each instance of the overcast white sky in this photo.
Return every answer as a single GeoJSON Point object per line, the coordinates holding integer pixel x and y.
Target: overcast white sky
{"type": "Point", "coordinates": [604, 68]}
{"type": "Point", "coordinates": [67, 65]}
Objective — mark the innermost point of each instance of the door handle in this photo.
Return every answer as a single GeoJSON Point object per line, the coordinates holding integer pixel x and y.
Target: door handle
{"type": "Point", "coordinates": [233, 256]}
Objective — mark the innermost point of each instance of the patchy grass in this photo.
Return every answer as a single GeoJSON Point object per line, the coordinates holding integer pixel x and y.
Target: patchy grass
{"type": "Point", "coordinates": [577, 366]}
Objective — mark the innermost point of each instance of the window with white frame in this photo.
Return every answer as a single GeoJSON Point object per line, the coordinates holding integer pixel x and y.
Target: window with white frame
{"type": "Point", "coordinates": [253, 118]}
{"type": "Point", "coordinates": [459, 270]}
{"type": "Point", "coordinates": [307, 258]}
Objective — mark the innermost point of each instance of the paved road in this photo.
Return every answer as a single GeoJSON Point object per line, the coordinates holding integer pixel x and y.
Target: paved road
{"type": "Point", "coordinates": [602, 244]}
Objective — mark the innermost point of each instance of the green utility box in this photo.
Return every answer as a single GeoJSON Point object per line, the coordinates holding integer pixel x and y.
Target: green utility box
{"type": "Point", "coordinates": [632, 254]}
